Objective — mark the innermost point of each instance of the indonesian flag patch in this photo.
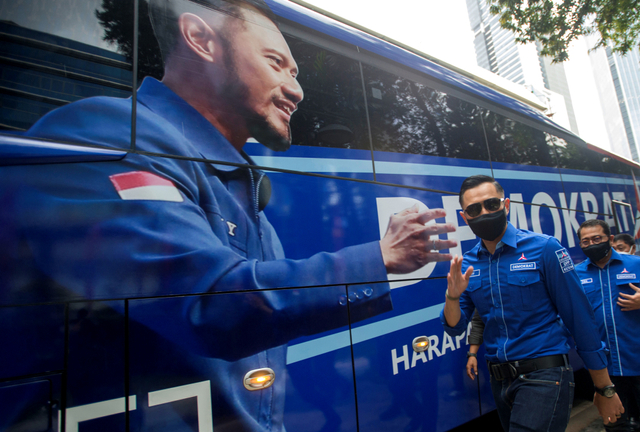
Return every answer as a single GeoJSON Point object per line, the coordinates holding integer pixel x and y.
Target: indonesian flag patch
{"type": "Point", "coordinates": [141, 185]}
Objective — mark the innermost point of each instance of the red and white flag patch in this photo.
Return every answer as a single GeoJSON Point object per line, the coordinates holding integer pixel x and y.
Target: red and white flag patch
{"type": "Point", "coordinates": [141, 185]}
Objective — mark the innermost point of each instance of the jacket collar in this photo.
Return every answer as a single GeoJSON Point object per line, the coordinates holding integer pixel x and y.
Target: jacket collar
{"type": "Point", "coordinates": [207, 141]}
{"type": "Point", "coordinates": [509, 238]}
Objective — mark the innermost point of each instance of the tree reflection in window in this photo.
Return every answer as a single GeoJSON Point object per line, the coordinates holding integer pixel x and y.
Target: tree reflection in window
{"type": "Point", "coordinates": [513, 142]}
{"type": "Point", "coordinates": [409, 117]}
{"type": "Point", "coordinates": [574, 156]}
{"type": "Point", "coordinates": [332, 113]}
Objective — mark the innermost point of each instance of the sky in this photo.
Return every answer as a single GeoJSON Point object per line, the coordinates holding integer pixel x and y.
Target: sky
{"type": "Point", "coordinates": [439, 28]}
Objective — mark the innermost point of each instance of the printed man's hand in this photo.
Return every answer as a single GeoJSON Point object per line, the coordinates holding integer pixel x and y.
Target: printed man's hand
{"type": "Point", "coordinates": [406, 246]}
{"type": "Point", "coordinates": [629, 302]}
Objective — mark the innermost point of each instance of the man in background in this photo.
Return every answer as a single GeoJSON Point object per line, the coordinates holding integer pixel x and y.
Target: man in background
{"type": "Point", "coordinates": [623, 243]}
{"type": "Point", "coordinates": [611, 281]}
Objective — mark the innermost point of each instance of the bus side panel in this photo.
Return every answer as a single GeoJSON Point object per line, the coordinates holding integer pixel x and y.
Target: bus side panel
{"type": "Point", "coordinates": [399, 388]}
{"type": "Point", "coordinates": [186, 379]}
{"type": "Point", "coordinates": [96, 366]}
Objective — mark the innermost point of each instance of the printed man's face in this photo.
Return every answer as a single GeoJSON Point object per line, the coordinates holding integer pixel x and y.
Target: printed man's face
{"type": "Point", "coordinates": [261, 80]}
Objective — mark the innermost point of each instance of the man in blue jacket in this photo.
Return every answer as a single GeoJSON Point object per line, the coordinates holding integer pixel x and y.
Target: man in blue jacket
{"type": "Point", "coordinates": [190, 223]}
{"type": "Point", "coordinates": [611, 280]}
{"type": "Point", "coordinates": [521, 282]}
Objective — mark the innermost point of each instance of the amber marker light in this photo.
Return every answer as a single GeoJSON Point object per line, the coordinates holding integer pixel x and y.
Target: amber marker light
{"type": "Point", "coordinates": [259, 379]}
{"type": "Point", "coordinates": [420, 344]}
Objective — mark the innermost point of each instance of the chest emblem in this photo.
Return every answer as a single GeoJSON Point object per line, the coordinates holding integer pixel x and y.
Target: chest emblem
{"type": "Point", "coordinates": [475, 273]}
{"type": "Point", "coordinates": [523, 266]}
{"type": "Point", "coordinates": [586, 281]}
{"type": "Point", "coordinates": [624, 274]}
{"type": "Point", "coordinates": [522, 258]}
{"type": "Point", "coordinates": [232, 228]}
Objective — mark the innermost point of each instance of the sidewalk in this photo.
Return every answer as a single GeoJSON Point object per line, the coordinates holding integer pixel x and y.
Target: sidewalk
{"type": "Point", "coordinates": [585, 418]}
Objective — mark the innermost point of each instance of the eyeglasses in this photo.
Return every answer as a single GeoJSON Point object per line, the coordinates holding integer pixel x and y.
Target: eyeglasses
{"type": "Point", "coordinates": [595, 240]}
{"type": "Point", "coordinates": [491, 204]}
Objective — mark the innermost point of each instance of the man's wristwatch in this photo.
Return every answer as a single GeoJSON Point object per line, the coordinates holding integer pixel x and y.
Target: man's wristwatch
{"type": "Point", "coordinates": [606, 391]}
{"type": "Point", "coordinates": [470, 354]}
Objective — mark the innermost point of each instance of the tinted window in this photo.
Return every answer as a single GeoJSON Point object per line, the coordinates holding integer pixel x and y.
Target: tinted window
{"type": "Point", "coordinates": [409, 117]}
{"type": "Point", "coordinates": [517, 143]}
{"type": "Point", "coordinates": [614, 166]}
{"type": "Point", "coordinates": [332, 113]}
{"type": "Point", "coordinates": [574, 156]}
{"type": "Point", "coordinates": [54, 53]}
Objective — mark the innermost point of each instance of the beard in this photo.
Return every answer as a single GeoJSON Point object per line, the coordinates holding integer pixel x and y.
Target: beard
{"type": "Point", "coordinates": [236, 92]}
{"type": "Point", "coordinates": [266, 134]}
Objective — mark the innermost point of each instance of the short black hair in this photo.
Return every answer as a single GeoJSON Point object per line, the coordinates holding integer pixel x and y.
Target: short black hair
{"type": "Point", "coordinates": [164, 16]}
{"type": "Point", "coordinates": [593, 223]}
{"type": "Point", "coordinates": [625, 238]}
{"type": "Point", "coordinates": [477, 180]}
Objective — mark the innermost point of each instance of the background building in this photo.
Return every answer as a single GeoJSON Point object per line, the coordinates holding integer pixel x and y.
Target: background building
{"type": "Point", "coordinates": [596, 94]}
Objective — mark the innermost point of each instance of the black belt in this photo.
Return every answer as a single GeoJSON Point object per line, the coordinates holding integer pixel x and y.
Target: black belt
{"type": "Point", "coordinates": [500, 371]}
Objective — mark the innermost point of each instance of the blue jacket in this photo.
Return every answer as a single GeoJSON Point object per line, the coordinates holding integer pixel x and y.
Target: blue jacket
{"type": "Point", "coordinates": [620, 330]}
{"type": "Point", "coordinates": [168, 228]}
{"type": "Point", "coordinates": [519, 292]}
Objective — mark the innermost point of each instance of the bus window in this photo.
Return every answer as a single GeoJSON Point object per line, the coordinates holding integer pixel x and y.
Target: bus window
{"type": "Point", "coordinates": [574, 156]}
{"type": "Point", "coordinates": [54, 53]}
{"type": "Point", "coordinates": [613, 166]}
{"type": "Point", "coordinates": [409, 117]}
{"type": "Point", "coordinates": [512, 142]}
{"type": "Point", "coordinates": [332, 113]}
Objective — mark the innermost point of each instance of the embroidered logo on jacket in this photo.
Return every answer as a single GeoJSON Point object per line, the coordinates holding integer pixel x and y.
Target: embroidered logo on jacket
{"type": "Point", "coordinates": [586, 281]}
{"type": "Point", "coordinates": [475, 273]}
{"type": "Point", "coordinates": [232, 228]}
{"type": "Point", "coordinates": [522, 258]}
{"type": "Point", "coordinates": [566, 264]}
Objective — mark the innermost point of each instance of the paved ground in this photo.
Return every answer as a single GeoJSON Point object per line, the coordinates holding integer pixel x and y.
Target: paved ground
{"type": "Point", "coordinates": [585, 418]}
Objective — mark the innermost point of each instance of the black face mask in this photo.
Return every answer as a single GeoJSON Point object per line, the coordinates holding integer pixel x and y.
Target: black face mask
{"type": "Point", "coordinates": [598, 251]}
{"type": "Point", "coordinates": [489, 226]}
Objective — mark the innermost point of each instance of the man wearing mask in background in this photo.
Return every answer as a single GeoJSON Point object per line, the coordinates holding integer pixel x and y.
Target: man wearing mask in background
{"type": "Point", "coordinates": [624, 244]}
{"type": "Point", "coordinates": [521, 283]}
{"type": "Point", "coordinates": [611, 281]}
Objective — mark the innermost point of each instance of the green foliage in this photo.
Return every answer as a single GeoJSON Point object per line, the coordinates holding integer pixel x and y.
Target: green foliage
{"type": "Point", "coordinates": [116, 17]}
{"type": "Point", "coordinates": [556, 23]}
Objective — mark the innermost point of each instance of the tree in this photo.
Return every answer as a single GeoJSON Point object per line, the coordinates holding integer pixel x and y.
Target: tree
{"type": "Point", "coordinates": [116, 17]}
{"type": "Point", "coordinates": [556, 23]}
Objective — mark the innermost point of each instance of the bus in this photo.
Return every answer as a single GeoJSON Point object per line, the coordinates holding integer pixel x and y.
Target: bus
{"type": "Point", "coordinates": [161, 272]}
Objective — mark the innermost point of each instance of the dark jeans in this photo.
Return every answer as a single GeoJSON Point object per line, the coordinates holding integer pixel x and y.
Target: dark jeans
{"type": "Point", "coordinates": [626, 387]}
{"type": "Point", "coordinates": [537, 401]}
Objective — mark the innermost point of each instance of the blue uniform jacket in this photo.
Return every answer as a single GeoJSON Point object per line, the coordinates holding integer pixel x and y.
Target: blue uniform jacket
{"type": "Point", "coordinates": [80, 232]}
{"type": "Point", "coordinates": [519, 292]}
{"type": "Point", "coordinates": [620, 330]}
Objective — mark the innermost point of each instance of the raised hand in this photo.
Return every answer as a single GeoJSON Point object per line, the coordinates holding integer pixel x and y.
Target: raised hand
{"type": "Point", "coordinates": [457, 282]}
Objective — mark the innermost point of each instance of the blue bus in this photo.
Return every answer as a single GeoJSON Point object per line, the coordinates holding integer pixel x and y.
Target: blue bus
{"type": "Point", "coordinates": [193, 195]}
